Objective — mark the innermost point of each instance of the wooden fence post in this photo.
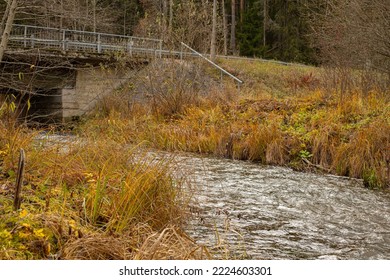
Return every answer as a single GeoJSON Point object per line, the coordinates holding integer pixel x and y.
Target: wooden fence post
{"type": "Point", "coordinates": [19, 180]}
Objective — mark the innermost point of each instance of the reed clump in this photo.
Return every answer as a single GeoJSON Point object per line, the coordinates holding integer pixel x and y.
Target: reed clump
{"type": "Point", "coordinates": [90, 198]}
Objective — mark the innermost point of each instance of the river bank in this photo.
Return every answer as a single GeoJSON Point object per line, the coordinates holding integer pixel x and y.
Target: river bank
{"type": "Point", "coordinates": [286, 116]}
{"type": "Point", "coordinates": [90, 199]}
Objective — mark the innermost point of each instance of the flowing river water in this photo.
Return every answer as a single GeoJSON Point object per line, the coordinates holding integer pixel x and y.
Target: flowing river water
{"type": "Point", "coordinates": [264, 212]}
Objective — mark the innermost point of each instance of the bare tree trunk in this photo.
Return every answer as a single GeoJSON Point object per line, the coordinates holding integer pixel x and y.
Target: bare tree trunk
{"type": "Point", "coordinates": [4, 19]}
{"type": "Point", "coordinates": [8, 27]}
{"type": "Point", "coordinates": [233, 28]}
{"type": "Point", "coordinates": [165, 17]}
{"type": "Point", "coordinates": [94, 14]}
{"type": "Point", "coordinates": [225, 29]}
{"type": "Point", "coordinates": [214, 32]}
{"type": "Point", "coordinates": [86, 13]}
{"type": "Point", "coordinates": [124, 20]}
{"type": "Point", "coordinates": [171, 4]}
{"type": "Point", "coordinates": [62, 14]}
{"type": "Point", "coordinates": [242, 8]}
{"type": "Point", "coordinates": [264, 24]}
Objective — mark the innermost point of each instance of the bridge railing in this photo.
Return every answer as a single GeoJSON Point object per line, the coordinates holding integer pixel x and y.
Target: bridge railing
{"type": "Point", "coordinates": [35, 37]}
{"type": "Point", "coordinates": [27, 36]}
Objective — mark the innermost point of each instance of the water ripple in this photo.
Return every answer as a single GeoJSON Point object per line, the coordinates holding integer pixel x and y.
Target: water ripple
{"type": "Point", "coordinates": [276, 213]}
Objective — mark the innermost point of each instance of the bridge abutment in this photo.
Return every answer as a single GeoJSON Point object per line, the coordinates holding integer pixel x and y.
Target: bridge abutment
{"type": "Point", "coordinates": [91, 85]}
{"type": "Point", "coordinates": [60, 94]}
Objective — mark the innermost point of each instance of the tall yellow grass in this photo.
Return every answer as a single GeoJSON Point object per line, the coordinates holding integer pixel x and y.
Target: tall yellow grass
{"type": "Point", "coordinates": [283, 115]}
{"type": "Point", "coordinates": [90, 198]}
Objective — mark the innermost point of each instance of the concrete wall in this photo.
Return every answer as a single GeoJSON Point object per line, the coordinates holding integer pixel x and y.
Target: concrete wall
{"type": "Point", "coordinates": [61, 94]}
{"type": "Point", "coordinates": [91, 86]}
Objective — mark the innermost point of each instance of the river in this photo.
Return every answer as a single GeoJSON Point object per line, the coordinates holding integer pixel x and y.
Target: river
{"type": "Point", "coordinates": [260, 212]}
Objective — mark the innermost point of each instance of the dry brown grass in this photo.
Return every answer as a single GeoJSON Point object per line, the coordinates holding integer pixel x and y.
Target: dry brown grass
{"type": "Point", "coordinates": [265, 144]}
{"type": "Point", "coordinates": [89, 199]}
{"type": "Point", "coordinates": [367, 154]}
{"type": "Point", "coordinates": [169, 244]}
{"type": "Point", "coordinates": [96, 247]}
{"type": "Point", "coordinates": [325, 141]}
{"type": "Point", "coordinates": [284, 116]}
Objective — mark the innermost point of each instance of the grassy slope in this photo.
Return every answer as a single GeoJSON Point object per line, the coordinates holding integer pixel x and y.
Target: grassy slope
{"type": "Point", "coordinates": [284, 115]}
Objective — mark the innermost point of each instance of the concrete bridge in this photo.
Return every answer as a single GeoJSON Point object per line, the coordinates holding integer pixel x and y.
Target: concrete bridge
{"type": "Point", "coordinates": [63, 73]}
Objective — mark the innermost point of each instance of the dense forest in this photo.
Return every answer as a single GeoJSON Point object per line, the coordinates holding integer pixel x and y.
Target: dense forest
{"type": "Point", "coordinates": [295, 30]}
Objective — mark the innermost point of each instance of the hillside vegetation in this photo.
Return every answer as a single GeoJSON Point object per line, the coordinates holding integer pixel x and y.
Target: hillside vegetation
{"type": "Point", "coordinates": [304, 117]}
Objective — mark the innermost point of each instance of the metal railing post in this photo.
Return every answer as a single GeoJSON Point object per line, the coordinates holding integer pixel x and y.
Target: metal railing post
{"type": "Point", "coordinates": [161, 43]}
{"type": "Point", "coordinates": [130, 46]}
{"type": "Point", "coordinates": [63, 40]}
{"type": "Point", "coordinates": [32, 41]}
{"type": "Point", "coordinates": [25, 37]}
{"type": "Point", "coordinates": [99, 44]}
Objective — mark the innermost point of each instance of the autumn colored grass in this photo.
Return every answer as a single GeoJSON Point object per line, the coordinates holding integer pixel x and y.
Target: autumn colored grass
{"type": "Point", "coordinates": [283, 115]}
{"type": "Point", "coordinates": [90, 199]}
